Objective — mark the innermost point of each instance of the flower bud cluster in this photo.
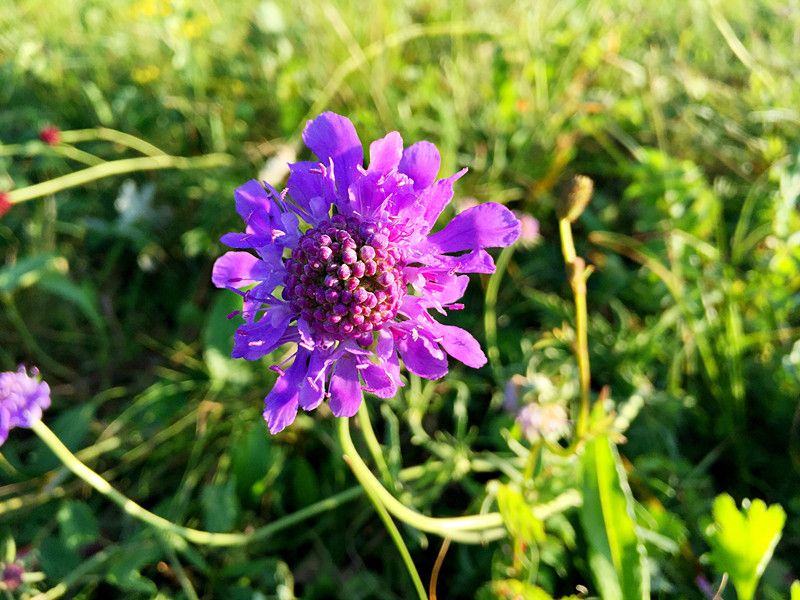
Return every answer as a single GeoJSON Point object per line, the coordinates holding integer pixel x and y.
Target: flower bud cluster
{"type": "Point", "coordinates": [345, 278]}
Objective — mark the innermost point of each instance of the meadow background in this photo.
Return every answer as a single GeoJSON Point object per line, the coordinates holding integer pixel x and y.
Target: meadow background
{"type": "Point", "coordinates": [684, 114]}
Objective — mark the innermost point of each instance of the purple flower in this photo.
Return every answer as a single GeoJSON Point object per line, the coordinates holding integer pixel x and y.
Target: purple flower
{"type": "Point", "coordinates": [355, 289]}
{"type": "Point", "coordinates": [23, 398]}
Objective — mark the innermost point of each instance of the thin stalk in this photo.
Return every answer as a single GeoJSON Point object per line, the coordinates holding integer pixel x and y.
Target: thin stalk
{"type": "Point", "coordinates": [111, 135]}
{"type": "Point", "coordinates": [117, 167]}
{"type": "Point", "coordinates": [372, 443]}
{"type": "Point", "coordinates": [578, 273]}
{"type": "Point", "coordinates": [75, 574]}
{"type": "Point", "coordinates": [472, 529]}
{"type": "Point", "coordinates": [394, 533]}
{"type": "Point", "coordinates": [195, 536]}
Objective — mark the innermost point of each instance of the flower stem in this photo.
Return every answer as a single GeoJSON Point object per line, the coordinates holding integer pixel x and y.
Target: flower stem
{"type": "Point", "coordinates": [117, 167]}
{"type": "Point", "coordinates": [111, 135]}
{"type": "Point", "coordinates": [472, 529]}
{"type": "Point", "coordinates": [373, 444]}
{"type": "Point", "coordinates": [384, 515]}
{"type": "Point", "coordinates": [195, 536]}
{"type": "Point", "coordinates": [578, 273]}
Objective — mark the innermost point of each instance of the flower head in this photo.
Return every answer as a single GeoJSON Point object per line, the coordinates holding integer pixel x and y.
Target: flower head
{"type": "Point", "coordinates": [23, 398]}
{"type": "Point", "coordinates": [50, 135]}
{"type": "Point", "coordinates": [11, 576]}
{"type": "Point", "coordinates": [548, 420]}
{"type": "Point", "coordinates": [354, 288]}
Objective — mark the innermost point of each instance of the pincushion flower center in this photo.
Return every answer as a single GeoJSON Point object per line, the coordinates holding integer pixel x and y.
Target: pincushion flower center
{"type": "Point", "coordinates": [345, 278]}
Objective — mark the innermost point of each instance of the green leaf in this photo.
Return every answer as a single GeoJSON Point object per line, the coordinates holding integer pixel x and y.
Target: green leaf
{"type": "Point", "coordinates": [218, 341]}
{"type": "Point", "coordinates": [742, 542]}
{"type": "Point", "coordinates": [253, 461]}
{"type": "Point", "coordinates": [123, 570]}
{"type": "Point", "coordinates": [518, 516]}
{"type": "Point", "coordinates": [616, 555]}
{"type": "Point", "coordinates": [220, 506]}
{"type": "Point", "coordinates": [77, 524]}
{"type": "Point", "coordinates": [57, 559]}
{"type": "Point", "coordinates": [84, 297]}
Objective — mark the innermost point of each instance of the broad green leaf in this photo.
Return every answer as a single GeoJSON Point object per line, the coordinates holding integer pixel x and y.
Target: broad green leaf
{"type": "Point", "coordinates": [57, 560]}
{"type": "Point", "coordinates": [218, 341]}
{"type": "Point", "coordinates": [220, 506]}
{"type": "Point", "coordinates": [82, 296]}
{"type": "Point", "coordinates": [77, 524]}
{"type": "Point", "coordinates": [616, 555]}
{"type": "Point", "coordinates": [253, 461]}
{"type": "Point", "coordinates": [742, 542]}
{"type": "Point", "coordinates": [123, 570]}
{"type": "Point", "coordinates": [518, 516]}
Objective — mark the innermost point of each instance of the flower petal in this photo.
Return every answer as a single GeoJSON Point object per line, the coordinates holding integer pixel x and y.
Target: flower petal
{"type": "Point", "coordinates": [312, 390]}
{"type": "Point", "coordinates": [333, 137]}
{"type": "Point", "coordinates": [460, 344]}
{"type": "Point", "coordinates": [421, 163]}
{"type": "Point", "coordinates": [238, 270]}
{"type": "Point", "coordinates": [254, 340]}
{"type": "Point", "coordinates": [434, 198]}
{"type": "Point", "coordinates": [280, 405]}
{"type": "Point", "coordinates": [376, 379]}
{"type": "Point", "coordinates": [345, 389]}
{"type": "Point", "coordinates": [489, 225]}
{"type": "Point", "coordinates": [309, 181]}
{"type": "Point", "coordinates": [385, 153]}
{"type": "Point", "coordinates": [422, 356]}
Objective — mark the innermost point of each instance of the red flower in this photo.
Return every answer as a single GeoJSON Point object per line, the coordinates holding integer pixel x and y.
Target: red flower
{"type": "Point", "coordinates": [5, 203]}
{"type": "Point", "coordinates": [50, 135]}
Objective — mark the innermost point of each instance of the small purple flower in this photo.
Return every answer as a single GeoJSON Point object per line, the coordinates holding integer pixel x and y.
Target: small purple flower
{"type": "Point", "coordinates": [23, 398]}
{"type": "Point", "coordinates": [354, 289]}
{"type": "Point", "coordinates": [11, 576]}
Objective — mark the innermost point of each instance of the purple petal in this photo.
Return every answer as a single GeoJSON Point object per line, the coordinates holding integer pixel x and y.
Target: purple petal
{"type": "Point", "coordinates": [489, 225]}
{"type": "Point", "coordinates": [280, 405]}
{"type": "Point", "coordinates": [422, 356]}
{"type": "Point", "coordinates": [309, 181]}
{"type": "Point", "coordinates": [312, 390]}
{"type": "Point", "coordinates": [477, 261]}
{"type": "Point", "coordinates": [421, 163]}
{"type": "Point", "coordinates": [333, 137]}
{"type": "Point", "coordinates": [245, 240]}
{"type": "Point", "coordinates": [254, 340]}
{"type": "Point", "coordinates": [385, 153]}
{"type": "Point", "coordinates": [436, 197]}
{"type": "Point", "coordinates": [376, 379]}
{"type": "Point", "coordinates": [238, 270]}
{"type": "Point", "coordinates": [345, 388]}
{"type": "Point", "coordinates": [460, 344]}
{"type": "Point", "coordinates": [254, 205]}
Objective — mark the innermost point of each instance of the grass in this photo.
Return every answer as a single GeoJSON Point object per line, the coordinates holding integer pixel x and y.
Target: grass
{"type": "Point", "coordinates": [685, 118]}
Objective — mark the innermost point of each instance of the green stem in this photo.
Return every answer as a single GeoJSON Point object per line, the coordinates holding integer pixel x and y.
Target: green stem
{"type": "Point", "coordinates": [195, 536]}
{"type": "Point", "coordinates": [490, 312]}
{"type": "Point", "coordinates": [578, 273]}
{"type": "Point", "coordinates": [111, 135]}
{"type": "Point", "coordinates": [472, 529]}
{"type": "Point", "coordinates": [117, 167]}
{"type": "Point", "coordinates": [39, 148]}
{"type": "Point", "coordinates": [394, 533]}
{"type": "Point", "coordinates": [372, 443]}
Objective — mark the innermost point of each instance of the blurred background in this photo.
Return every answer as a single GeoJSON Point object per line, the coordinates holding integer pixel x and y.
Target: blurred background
{"type": "Point", "coordinates": [684, 114]}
